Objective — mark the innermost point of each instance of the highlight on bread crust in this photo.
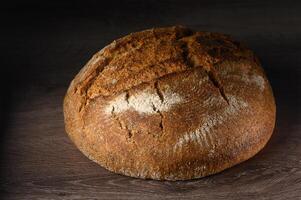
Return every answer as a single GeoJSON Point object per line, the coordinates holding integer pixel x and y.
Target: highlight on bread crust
{"type": "Point", "coordinates": [170, 104]}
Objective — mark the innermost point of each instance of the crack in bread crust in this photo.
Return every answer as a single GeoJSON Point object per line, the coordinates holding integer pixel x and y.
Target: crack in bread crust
{"type": "Point", "coordinates": [161, 96]}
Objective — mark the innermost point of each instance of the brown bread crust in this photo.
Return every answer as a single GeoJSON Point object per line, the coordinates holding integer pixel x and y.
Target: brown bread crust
{"type": "Point", "coordinates": [170, 104]}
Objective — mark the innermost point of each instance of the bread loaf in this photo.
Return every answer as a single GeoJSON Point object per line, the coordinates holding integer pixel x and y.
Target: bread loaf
{"type": "Point", "coordinates": [170, 104]}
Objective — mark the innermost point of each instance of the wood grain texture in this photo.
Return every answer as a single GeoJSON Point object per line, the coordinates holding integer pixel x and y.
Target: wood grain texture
{"type": "Point", "coordinates": [45, 46]}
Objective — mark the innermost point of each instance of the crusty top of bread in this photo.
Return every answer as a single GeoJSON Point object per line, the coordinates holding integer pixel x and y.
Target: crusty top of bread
{"type": "Point", "coordinates": [145, 56]}
{"type": "Point", "coordinates": [170, 103]}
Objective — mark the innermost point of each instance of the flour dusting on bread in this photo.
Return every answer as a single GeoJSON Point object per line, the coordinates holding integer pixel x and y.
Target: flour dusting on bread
{"type": "Point", "coordinates": [144, 102]}
{"type": "Point", "coordinates": [251, 80]}
{"type": "Point", "coordinates": [204, 134]}
{"type": "Point", "coordinates": [254, 79]}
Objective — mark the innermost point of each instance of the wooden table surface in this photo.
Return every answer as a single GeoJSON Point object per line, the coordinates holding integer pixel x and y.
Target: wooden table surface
{"type": "Point", "coordinates": [45, 45]}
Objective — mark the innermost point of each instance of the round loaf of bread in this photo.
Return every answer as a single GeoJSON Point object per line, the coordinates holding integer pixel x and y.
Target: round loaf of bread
{"type": "Point", "coordinates": [170, 104]}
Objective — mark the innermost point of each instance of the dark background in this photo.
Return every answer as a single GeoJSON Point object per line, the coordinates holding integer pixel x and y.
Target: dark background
{"type": "Point", "coordinates": [45, 43]}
